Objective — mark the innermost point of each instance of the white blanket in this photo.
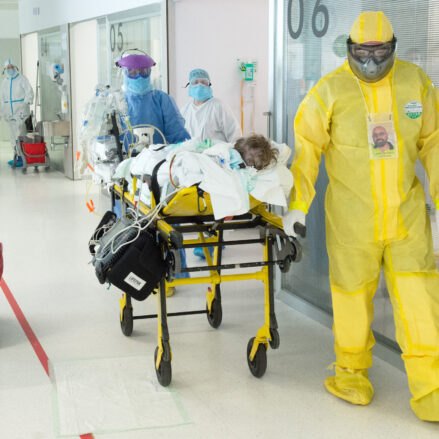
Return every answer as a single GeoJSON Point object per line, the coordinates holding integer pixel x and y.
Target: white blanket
{"type": "Point", "coordinates": [193, 163]}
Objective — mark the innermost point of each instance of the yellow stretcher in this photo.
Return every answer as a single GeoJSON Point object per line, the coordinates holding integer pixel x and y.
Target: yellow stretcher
{"type": "Point", "coordinates": [190, 211]}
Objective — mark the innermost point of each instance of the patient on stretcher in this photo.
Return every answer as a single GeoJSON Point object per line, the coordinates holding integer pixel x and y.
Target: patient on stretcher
{"type": "Point", "coordinates": [228, 172]}
{"type": "Point", "coordinates": [256, 151]}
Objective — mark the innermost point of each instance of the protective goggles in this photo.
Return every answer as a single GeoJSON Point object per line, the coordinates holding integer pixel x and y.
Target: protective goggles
{"type": "Point", "coordinates": [378, 52]}
{"type": "Point", "coordinates": [136, 73]}
{"type": "Point", "coordinates": [197, 81]}
{"type": "Point", "coordinates": [200, 81]}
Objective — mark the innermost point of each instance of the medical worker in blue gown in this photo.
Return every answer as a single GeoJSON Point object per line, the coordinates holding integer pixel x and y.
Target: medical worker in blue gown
{"type": "Point", "coordinates": [153, 107]}
{"type": "Point", "coordinates": [149, 106]}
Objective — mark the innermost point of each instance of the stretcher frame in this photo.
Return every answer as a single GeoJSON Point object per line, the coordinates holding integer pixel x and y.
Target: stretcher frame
{"type": "Point", "coordinates": [170, 227]}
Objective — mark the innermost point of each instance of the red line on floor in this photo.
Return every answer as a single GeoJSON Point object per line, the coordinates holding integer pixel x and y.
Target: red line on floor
{"type": "Point", "coordinates": [41, 354]}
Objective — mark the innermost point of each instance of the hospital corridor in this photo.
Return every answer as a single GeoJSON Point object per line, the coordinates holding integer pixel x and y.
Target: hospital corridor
{"type": "Point", "coordinates": [219, 234]}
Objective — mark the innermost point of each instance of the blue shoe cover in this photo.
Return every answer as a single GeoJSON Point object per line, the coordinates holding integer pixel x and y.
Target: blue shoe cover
{"type": "Point", "coordinates": [19, 163]}
{"type": "Point", "coordinates": [198, 251]}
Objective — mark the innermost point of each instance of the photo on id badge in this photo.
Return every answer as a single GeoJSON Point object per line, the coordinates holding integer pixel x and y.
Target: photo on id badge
{"type": "Point", "coordinates": [382, 140]}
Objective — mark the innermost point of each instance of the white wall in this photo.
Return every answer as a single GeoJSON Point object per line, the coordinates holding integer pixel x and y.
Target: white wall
{"type": "Point", "coordinates": [84, 73]}
{"type": "Point", "coordinates": [212, 34]}
{"type": "Point", "coordinates": [56, 12]}
{"type": "Point", "coordinates": [9, 23]}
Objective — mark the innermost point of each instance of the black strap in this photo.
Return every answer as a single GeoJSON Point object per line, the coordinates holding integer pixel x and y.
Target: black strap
{"type": "Point", "coordinates": [115, 132]}
{"type": "Point", "coordinates": [200, 195]}
{"type": "Point", "coordinates": [155, 188]}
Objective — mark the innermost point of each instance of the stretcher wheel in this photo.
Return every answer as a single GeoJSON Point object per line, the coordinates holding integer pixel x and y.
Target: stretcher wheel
{"type": "Point", "coordinates": [285, 265]}
{"type": "Point", "coordinates": [298, 250]}
{"type": "Point", "coordinates": [216, 314]}
{"type": "Point", "coordinates": [126, 323]}
{"type": "Point", "coordinates": [275, 339]}
{"type": "Point", "coordinates": [164, 372]}
{"type": "Point", "coordinates": [24, 170]}
{"type": "Point", "coordinates": [259, 364]}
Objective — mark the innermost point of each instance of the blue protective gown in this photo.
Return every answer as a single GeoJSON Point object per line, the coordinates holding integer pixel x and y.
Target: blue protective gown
{"type": "Point", "coordinates": [159, 109]}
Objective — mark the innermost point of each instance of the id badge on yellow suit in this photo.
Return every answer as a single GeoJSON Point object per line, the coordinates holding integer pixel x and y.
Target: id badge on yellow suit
{"type": "Point", "coordinates": [382, 136]}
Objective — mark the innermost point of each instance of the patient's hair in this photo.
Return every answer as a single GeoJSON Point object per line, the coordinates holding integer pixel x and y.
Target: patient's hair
{"type": "Point", "coordinates": [256, 151]}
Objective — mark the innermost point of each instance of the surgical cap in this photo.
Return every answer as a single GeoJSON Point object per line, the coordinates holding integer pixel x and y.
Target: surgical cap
{"type": "Point", "coordinates": [198, 74]}
{"type": "Point", "coordinates": [371, 26]}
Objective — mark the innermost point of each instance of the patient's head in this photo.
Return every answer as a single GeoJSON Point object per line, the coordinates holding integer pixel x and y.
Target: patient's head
{"type": "Point", "coordinates": [256, 151]}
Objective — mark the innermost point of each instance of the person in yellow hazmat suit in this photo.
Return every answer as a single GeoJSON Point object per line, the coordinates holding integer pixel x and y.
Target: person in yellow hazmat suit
{"type": "Point", "coordinates": [375, 206]}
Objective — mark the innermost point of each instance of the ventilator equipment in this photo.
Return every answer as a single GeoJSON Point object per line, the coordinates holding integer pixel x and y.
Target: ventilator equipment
{"type": "Point", "coordinates": [99, 136]}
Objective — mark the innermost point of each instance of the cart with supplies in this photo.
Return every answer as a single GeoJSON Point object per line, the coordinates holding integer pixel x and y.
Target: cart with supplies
{"type": "Point", "coordinates": [33, 151]}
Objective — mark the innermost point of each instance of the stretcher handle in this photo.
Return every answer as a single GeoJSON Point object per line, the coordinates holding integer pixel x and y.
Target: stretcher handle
{"type": "Point", "coordinates": [300, 229]}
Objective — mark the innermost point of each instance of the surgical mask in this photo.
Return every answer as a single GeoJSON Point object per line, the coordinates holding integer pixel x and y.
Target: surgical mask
{"type": "Point", "coordinates": [11, 72]}
{"type": "Point", "coordinates": [200, 92]}
{"type": "Point", "coordinates": [139, 85]}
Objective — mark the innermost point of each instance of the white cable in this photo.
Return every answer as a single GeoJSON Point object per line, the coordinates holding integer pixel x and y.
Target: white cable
{"type": "Point", "coordinates": [137, 224]}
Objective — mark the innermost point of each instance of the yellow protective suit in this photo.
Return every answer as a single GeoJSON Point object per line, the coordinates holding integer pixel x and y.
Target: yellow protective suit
{"type": "Point", "coordinates": [376, 215]}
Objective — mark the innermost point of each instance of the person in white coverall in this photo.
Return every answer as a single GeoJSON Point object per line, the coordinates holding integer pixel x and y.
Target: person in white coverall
{"type": "Point", "coordinates": [16, 97]}
{"type": "Point", "coordinates": [207, 117]}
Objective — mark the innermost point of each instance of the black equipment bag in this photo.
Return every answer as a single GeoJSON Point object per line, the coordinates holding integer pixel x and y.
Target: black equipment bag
{"type": "Point", "coordinates": [140, 268]}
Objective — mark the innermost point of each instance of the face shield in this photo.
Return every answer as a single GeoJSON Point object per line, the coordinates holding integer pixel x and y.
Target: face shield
{"type": "Point", "coordinates": [136, 70]}
{"type": "Point", "coordinates": [371, 62]}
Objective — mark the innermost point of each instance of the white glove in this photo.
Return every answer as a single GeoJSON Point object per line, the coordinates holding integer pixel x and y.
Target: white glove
{"type": "Point", "coordinates": [289, 220]}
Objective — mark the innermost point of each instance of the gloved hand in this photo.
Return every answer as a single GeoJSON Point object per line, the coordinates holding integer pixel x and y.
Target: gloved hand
{"type": "Point", "coordinates": [437, 222]}
{"type": "Point", "coordinates": [294, 223]}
